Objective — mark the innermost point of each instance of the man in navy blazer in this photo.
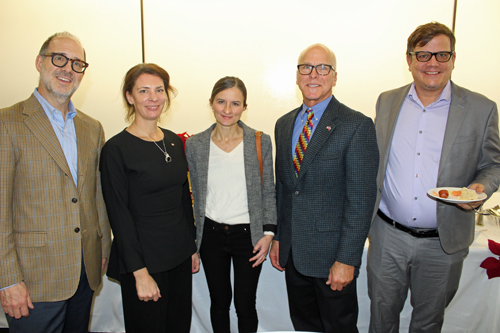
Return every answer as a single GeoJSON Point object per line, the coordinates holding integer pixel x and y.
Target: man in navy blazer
{"type": "Point", "coordinates": [431, 133]}
{"type": "Point", "coordinates": [325, 207]}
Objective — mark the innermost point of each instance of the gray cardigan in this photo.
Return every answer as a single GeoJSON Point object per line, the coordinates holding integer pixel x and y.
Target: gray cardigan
{"type": "Point", "coordinates": [261, 201]}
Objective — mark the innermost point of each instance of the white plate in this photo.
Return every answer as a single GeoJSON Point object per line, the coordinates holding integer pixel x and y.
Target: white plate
{"type": "Point", "coordinates": [452, 199]}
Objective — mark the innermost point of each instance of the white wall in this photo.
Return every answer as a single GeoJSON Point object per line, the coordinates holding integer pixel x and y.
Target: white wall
{"type": "Point", "coordinates": [259, 41]}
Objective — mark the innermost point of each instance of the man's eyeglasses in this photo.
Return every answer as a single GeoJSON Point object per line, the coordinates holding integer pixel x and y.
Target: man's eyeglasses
{"type": "Point", "coordinates": [60, 60]}
{"type": "Point", "coordinates": [424, 56]}
{"type": "Point", "coordinates": [321, 69]}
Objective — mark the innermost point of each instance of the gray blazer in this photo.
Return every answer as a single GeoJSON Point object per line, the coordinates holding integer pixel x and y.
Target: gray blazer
{"type": "Point", "coordinates": [471, 154]}
{"type": "Point", "coordinates": [261, 201]}
{"type": "Point", "coordinates": [324, 215]}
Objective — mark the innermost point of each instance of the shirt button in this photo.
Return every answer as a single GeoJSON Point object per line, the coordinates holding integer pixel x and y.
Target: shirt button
{"type": "Point", "coordinates": [420, 132]}
{"type": "Point", "coordinates": [418, 154]}
{"type": "Point", "coordinates": [415, 198]}
{"type": "Point", "coordinates": [416, 175]}
{"type": "Point", "coordinates": [77, 230]}
{"type": "Point", "coordinates": [414, 219]}
{"type": "Point", "coordinates": [74, 200]}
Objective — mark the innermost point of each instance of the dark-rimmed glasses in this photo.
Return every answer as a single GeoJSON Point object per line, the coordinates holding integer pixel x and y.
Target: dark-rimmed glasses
{"type": "Point", "coordinates": [424, 56]}
{"type": "Point", "coordinates": [321, 69]}
{"type": "Point", "coordinates": [60, 60]}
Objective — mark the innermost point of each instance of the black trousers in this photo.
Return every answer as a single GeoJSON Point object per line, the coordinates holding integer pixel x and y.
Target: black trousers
{"type": "Point", "coordinates": [171, 313]}
{"type": "Point", "coordinates": [222, 243]}
{"type": "Point", "coordinates": [314, 307]}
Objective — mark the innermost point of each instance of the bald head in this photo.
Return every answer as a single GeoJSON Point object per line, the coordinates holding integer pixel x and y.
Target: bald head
{"type": "Point", "coordinates": [331, 55]}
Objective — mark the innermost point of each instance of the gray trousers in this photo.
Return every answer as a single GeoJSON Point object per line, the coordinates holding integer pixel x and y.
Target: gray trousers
{"type": "Point", "coordinates": [397, 262]}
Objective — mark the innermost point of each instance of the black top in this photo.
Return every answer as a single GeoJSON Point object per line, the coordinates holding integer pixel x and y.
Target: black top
{"type": "Point", "coordinates": [148, 204]}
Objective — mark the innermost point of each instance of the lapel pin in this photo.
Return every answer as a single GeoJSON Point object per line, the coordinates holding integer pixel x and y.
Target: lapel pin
{"type": "Point", "coordinates": [328, 128]}
{"type": "Point", "coordinates": [173, 144]}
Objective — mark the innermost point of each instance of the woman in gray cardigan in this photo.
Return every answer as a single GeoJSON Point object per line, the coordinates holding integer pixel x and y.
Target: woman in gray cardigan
{"type": "Point", "coordinates": [235, 213]}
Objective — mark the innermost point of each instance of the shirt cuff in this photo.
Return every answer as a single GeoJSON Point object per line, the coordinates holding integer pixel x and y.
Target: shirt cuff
{"type": "Point", "coordinates": [12, 285]}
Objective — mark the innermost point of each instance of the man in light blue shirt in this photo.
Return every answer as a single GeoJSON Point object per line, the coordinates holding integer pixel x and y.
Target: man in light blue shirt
{"type": "Point", "coordinates": [54, 232]}
{"type": "Point", "coordinates": [326, 168]}
{"type": "Point", "coordinates": [431, 133]}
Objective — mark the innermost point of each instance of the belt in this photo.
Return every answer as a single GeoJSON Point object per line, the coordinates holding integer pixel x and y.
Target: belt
{"type": "Point", "coordinates": [412, 231]}
{"type": "Point", "coordinates": [223, 226]}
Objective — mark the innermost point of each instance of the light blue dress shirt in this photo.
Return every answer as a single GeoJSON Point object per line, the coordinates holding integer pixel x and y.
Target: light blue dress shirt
{"type": "Point", "coordinates": [412, 168]}
{"type": "Point", "coordinates": [301, 119]}
{"type": "Point", "coordinates": [65, 131]}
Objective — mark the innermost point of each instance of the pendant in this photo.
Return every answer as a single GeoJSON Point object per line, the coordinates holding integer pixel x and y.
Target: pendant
{"type": "Point", "coordinates": [168, 159]}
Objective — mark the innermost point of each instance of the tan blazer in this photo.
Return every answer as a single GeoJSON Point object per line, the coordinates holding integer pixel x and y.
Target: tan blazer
{"type": "Point", "coordinates": [46, 221]}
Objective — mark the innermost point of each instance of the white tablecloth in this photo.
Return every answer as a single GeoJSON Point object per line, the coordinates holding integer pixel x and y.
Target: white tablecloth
{"type": "Point", "coordinates": [475, 308]}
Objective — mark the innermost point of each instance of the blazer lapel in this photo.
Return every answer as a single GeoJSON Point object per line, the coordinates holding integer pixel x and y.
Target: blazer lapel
{"type": "Point", "coordinates": [38, 123]}
{"type": "Point", "coordinates": [287, 139]}
{"type": "Point", "coordinates": [385, 136]}
{"type": "Point", "coordinates": [202, 152]}
{"type": "Point", "coordinates": [458, 108]}
{"type": "Point", "coordinates": [250, 156]}
{"type": "Point", "coordinates": [83, 148]}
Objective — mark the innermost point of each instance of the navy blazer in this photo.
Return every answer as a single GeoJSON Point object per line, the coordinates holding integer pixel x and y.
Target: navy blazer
{"type": "Point", "coordinates": [324, 214]}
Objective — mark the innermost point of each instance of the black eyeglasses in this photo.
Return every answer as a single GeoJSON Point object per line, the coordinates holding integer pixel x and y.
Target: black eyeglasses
{"type": "Point", "coordinates": [424, 56]}
{"type": "Point", "coordinates": [321, 69]}
{"type": "Point", "coordinates": [60, 60]}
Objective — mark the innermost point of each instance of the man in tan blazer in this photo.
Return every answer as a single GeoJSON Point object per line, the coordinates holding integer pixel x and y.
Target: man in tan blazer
{"type": "Point", "coordinates": [54, 231]}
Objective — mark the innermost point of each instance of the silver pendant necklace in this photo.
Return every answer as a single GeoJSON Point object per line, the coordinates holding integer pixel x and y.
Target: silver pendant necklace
{"type": "Point", "coordinates": [168, 159]}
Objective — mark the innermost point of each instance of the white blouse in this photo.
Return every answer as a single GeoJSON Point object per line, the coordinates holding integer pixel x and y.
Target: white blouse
{"type": "Point", "coordinates": [226, 188]}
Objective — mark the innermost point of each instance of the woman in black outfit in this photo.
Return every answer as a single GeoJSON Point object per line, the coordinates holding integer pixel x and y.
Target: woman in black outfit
{"type": "Point", "coordinates": [145, 187]}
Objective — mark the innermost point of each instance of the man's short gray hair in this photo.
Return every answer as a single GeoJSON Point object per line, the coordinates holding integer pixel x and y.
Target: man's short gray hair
{"type": "Point", "coordinates": [45, 45]}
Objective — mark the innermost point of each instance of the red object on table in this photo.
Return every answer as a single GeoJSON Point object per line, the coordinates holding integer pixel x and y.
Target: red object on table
{"type": "Point", "coordinates": [491, 264]}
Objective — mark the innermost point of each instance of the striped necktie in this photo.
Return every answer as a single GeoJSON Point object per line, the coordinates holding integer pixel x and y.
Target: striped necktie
{"type": "Point", "coordinates": [303, 141]}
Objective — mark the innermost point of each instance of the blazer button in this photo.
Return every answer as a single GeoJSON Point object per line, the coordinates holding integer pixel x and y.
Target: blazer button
{"type": "Point", "coordinates": [77, 230]}
{"type": "Point", "coordinates": [74, 200]}
{"type": "Point", "coordinates": [296, 192]}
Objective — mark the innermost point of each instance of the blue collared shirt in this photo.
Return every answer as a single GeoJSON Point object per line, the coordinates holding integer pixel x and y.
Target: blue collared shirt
{"type": "Point", "coordinates": [65, 131]}
{"type": "Point", "coordinates": [412, 168]}
{"type": "Point", "coordinates": [318, 111]}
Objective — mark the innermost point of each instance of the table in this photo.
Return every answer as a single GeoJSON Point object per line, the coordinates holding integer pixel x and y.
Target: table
{"type": "Point", "coordinates": [475, 308]}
